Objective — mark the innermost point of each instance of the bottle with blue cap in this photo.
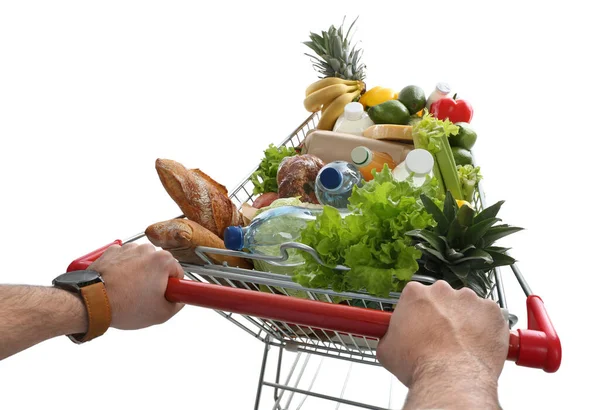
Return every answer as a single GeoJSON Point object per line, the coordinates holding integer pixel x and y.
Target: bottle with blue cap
{"type": "Point", "coordinates": [269, 230]}
{"type": "Point", "coordinates": [334, 183]}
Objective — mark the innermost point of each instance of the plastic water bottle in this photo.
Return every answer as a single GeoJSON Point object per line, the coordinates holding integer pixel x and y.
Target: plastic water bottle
{"type": "Point", "coordinates": [270, 229]}
{"type": "Point", "coordinates": [334, 183]}
{"type": "Point", "coordinates": [418, 162]}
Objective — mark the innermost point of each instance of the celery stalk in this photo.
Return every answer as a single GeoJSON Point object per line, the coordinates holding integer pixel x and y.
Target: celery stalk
{"type": "Point", "coordinates": [445, 160]}
{"type": "Point", "coordinates": [431, 134]}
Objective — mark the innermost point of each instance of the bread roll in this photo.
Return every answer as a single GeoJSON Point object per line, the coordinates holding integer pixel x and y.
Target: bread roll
{"type": "Point", "coordinates": [181, 237]}
{"type": "Point", "coordinates": [199, 197]}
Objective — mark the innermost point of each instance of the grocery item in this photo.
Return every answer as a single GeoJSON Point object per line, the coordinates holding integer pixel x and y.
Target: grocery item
{"type": "Point", "coordinates": [389, 112]}
{"type": "Point", "coordinates": [367, 161]}
{"type": "Point", "coordinates": [354, 120]}
{"type": "Point", "coordinates": [441, 91]}
{"type": "Point", "coordinates": [268, 231]}
{"type": "Point", "coordinates": [459, 249]}
{"type": "Point", "coordinates": [334, 146]}
{"type": "Point", "coordinates": [326, 82]}
{"type": "Point", "coordinates": [314, 102]}
{"type": "Point", "coordinates": [296, 177]}
{"type": "Point", "coordinates": [264, 178]}
{"type": "Point", "coordinates": [369, 239]}
{"type": "Point", "coordinates": [432, 134]}
{"type": "Point", "coordinates": [335, 56]}
{"type": "Point", "coordinates": [413, 98]}
{"type": "Point", "coordinates": [335, 108]}
{"type": "Point", "coordinates": [335, 182]}
{"type": "Point", "coordinates": [199, 197]}
{"type": "Point", "coordinates": [465, 138]}
{"type": "Point", "coordinates": [419, 164]}
{"type": "Point", "coordinates": [265, 200]}
{"type": "Point", "coordinates": [469, 177]}
{"type": "Point", "coordinates": [181, 237]}
{"type": "Point", "coordinates": [462, 156]}
{"type": "Point", "coordinates": [452, 109]}
{"type": "Point", "coordinates": [390, 132]}
{"type": "Point", "coordinates": [376, 96]}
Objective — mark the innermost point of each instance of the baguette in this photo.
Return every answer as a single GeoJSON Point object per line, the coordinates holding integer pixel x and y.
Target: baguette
{"type": "Point", "coordinates": [181, 236]}
{"type": "Point", "coordinates": [199, 197]}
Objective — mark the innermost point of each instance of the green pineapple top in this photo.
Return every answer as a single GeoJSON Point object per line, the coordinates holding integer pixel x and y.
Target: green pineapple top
{"type": "Point", "coordinates": [334, 57]}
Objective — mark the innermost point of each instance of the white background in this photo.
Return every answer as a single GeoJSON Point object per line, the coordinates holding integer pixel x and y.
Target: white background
{"type": "Point", "coordinates": [91, 93]}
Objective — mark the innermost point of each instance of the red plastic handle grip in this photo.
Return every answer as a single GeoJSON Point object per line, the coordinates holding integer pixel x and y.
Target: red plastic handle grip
{"type": "Point", "coordinates": [86, 260]}
{"type": "Point", "coordinates": [536, 347]}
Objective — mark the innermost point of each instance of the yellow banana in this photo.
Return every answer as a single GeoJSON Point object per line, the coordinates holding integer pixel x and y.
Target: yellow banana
{"type": "Point", "coordinates": [326, 82]}
{"type": "Point", "coordinates": [314, 101]}
{"type": "Point", "coordinates": [335, 109]}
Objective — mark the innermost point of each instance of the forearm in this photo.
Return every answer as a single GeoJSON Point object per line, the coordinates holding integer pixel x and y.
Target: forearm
{"type": "Point", "coordinates": [453, 386]}
{"type": "Point", "coordinates": [32, 314]}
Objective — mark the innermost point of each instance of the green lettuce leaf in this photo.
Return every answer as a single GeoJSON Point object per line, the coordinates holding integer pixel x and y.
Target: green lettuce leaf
{"type": "Point", "coordinates": [370, 239]}
{"type": "Point", "coordinates": [265, 177]}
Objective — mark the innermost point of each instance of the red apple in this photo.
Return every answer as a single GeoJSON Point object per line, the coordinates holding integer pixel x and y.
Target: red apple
{"type": "Point", "coordinates": [265, 199]}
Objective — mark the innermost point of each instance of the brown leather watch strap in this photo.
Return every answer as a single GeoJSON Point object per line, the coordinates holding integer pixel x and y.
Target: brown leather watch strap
{"type": "Point", "coordinates": [98, 311]}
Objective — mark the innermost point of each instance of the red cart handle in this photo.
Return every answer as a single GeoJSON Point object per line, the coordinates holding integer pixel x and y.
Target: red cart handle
{"type": "Point", "coordinates": [86, 260]}
{"type": "Point", "coordinates": [537, 347]}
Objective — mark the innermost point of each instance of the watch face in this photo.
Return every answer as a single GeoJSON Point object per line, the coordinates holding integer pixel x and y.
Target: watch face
{"type": "Point", "coordinates": [77, 278]}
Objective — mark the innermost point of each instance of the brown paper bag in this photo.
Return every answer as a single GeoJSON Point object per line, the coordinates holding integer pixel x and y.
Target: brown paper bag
{"type": "Point", "coordinates": [334, 146]}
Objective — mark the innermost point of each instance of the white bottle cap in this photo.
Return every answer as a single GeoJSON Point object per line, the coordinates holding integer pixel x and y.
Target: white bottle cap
{"type": "Point", "coordinates": [361, 156]}
{"type": "Point", "coordinates": [353, 111]}
{"type": "Point", "coordinates": [444, 88]}
{"type": "Point", "coordinates": [419, 161]}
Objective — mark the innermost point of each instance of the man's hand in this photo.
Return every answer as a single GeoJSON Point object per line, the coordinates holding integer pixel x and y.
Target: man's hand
{"type": "Point", "coordinates": [448, 347]}
{"type": "Point", "coordinates": [136, 278]}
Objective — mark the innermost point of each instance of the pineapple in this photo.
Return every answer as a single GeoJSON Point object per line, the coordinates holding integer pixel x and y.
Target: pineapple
{"type": "Point", "coordinates": [460, 248]}
{"type": "Point", "coordinates": [333, 55]}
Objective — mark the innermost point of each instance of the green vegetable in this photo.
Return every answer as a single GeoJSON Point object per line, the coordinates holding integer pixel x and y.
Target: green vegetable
{"type": "Point", "coordinates": [265, 177]}
{"type": "Point", "coordinates": [469, 178]}
{"type": "Point", "coordinates": [432, 134]}
{"type": "Point", "coordinates": [370, 239]}
{"type": "Point", "coordinates": [460, 248]}
{"type": "Point", "coordinates": [295, 201]}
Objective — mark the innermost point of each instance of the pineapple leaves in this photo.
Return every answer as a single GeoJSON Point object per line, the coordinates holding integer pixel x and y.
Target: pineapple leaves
{"type": "Point", "coordinates": [429, 237]}
{"type": "Point", "coordinates": [489, 212]}
{"type": "Point", "coordinates": [450, 207]}
{"type": "Point", "coordinates": [336, 56]}
{"type": "Point", "coordinates": [497, 232]}
{"type": "Point", "coordinates": [431, 252]}
{"type": "Point", "coordinates": [475, 232]}
{"type": "Point", "coordinates": [455, 234]}
{"type": "Point", "coordinates": [478, 255]}
{"type": "Point", "coordinates": [465, 215]}
{"type": "Point", "coordinates": [462, 270]}
{"type": "Point", "coordinates": [440, 217]}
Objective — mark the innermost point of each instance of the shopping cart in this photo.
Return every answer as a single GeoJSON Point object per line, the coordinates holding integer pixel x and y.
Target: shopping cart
{"type": "Point", "coordinates": [322, 322]}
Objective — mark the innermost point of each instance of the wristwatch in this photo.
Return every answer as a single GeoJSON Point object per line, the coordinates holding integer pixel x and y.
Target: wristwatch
{"type": "Point", "coordinates": [90, 286]}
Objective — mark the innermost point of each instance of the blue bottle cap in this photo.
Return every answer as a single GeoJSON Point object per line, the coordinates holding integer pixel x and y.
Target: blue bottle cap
{"type": "Point", "coordinates": [234, 238]}
{"type": "Point", "coordinates": [331, 178]}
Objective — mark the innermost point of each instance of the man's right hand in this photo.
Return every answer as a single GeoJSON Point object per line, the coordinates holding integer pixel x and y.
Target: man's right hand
{"type": "Point", "coordinates": [440, 338]}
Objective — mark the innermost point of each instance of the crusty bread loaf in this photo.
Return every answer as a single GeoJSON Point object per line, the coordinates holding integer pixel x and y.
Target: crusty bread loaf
{"type": "Point", "coordinates": [182, 236]}
{"type": "Point", "coordinates": [200, 198]}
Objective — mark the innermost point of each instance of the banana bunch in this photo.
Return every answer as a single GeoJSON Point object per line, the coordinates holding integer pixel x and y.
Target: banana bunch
{"type": "Point", "coordinates": [330, 95]}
